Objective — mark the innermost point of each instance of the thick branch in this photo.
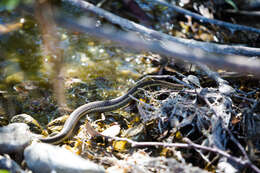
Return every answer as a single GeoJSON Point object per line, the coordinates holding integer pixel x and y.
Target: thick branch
{"type": "Point", "coordinates": [129, 25]}
{"type": "Point", "coordinates": [167, 48]}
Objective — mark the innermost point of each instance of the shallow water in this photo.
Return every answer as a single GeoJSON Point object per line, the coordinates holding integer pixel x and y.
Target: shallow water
{"type": "Point", "coordinates": [91, 69]}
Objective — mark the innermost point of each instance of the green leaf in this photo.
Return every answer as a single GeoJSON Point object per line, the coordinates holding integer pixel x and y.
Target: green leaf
{"type": "Point", "coordinates": [230, 2]}
{"type": "Point", "coordinates": [9, 4]}
{"type": "Point", "coordinates": [4, 171]}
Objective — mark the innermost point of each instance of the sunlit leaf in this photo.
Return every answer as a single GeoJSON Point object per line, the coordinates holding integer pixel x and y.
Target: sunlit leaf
{"type": "Point", "coordinates": [120, 145]}
{"type": "Point", "coordinates": [12, 4]}
{"type": "Point", "coordinates": [4, 171]}
{"type": "Point", "coordinates": [230, 2]}
{"type": "Point", "coordinates": [9, 4]}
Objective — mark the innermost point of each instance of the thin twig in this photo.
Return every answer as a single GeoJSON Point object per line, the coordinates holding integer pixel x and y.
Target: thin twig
{"type": "Point", "coordinates": [168, 77]}
{"type": "Point", "coordinates": [245, 13]}
{"type": "Point", "coordinates": [203, 19]}
{"type": "Point", "coordinates": [189, 144]}
{"type": "Point", "coordinates": [238, 144]}
{"type": "Point", "coordinates": [214, 75]}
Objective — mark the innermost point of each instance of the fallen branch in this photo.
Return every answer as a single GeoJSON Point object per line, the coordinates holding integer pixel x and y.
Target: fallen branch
{"type": "Point", "coordinates": [129, 25]}
{"type": "Point", "coordinates": [245, 13]}
{"type": "Point", "coordinates": [165, 47]}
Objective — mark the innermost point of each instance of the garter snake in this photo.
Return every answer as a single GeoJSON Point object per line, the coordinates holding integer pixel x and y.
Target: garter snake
{"type": "Point", "coordinates": [102, 106]}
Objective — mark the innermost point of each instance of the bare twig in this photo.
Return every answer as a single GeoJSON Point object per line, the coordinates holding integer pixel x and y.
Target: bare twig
{"type": "Point", "coordinates": [214, 75]}
{"type": "Point", "coordinates": [189, 144]}
{"type": "Point", "coordinates": [221, 115]}
{"type": "Point", "coordinates": [246, 162]}
{"type": "Point", "coordinates": [230, 26]}
{"type": "Point", "coordinates": [129, 25]}
{"type": "Point", "coordinates": [237, 143]}
{"type": "Point", "coordinates": [246, 13]}
{"type": "Point", "coordinates": [168, 77]}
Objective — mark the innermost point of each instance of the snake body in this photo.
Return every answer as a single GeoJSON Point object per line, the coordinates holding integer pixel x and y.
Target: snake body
{"type": "Point", "coordinates": [101, 106]}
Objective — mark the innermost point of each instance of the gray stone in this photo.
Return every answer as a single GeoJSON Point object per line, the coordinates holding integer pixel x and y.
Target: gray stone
{"type": "Point", "coordinates": [46, 158]}
{"type": "Point", "coordinates": [8, 164]}
{"type": "Point", "coordinates": [30, 121]}
{"type": "Point", "coordinates": [14, 138]}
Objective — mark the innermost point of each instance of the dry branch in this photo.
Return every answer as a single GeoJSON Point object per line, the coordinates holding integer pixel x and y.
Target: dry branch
{"type": "Point", "coordinates": [167, 48]}
{"type": "Point", "coordinates": [129, 25]}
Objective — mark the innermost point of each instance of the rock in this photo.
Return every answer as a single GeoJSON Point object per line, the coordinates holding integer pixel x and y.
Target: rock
{"type": "Point", "coordinates": [45, 158]}
{"type": "Point", "coordinates": [8, 164]}
{"type": "Point", "coordinates": [112, 131]}
{"type": "Point", "coordinates": [57, 124]}
{"type": "Point", "coordinates": [226, 89]}
{"type": "Point", "coordinates": [30, 121]}
{"type": "Point", "coordinates": [14, 138]}
{"type": "Point", "coordinates": [192, 79]}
